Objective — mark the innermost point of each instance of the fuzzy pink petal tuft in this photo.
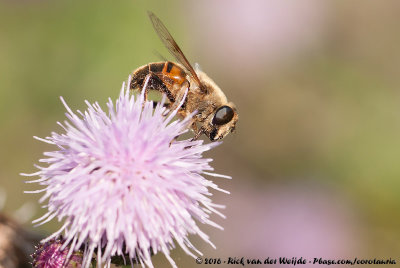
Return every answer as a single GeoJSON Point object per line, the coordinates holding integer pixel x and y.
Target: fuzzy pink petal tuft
{"type": "Point", "coordinates": [123, 185]}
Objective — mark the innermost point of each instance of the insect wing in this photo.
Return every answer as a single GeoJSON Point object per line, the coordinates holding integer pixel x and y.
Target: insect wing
{"type": "Point", "coordinates": [171, 45]}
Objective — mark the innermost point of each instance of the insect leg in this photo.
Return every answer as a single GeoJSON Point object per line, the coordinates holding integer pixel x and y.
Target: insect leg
{"type": "Point", "coordinates": [193, 126]}
{"type": "Point", "coordinates": [198, 134]}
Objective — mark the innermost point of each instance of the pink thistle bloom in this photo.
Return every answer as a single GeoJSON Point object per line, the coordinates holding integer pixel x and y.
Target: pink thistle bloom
{"type": "Point", "coordinates": [123, 185]}
{"type": "Point", "coordinates": [50, 255]}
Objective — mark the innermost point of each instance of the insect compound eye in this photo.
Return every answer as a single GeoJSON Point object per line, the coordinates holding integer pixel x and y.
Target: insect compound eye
{"type": "Point", "coordinates": [223, 115]}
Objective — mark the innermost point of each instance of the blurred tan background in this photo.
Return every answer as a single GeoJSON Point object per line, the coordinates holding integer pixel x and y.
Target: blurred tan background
{"type": "Point", "coordinates": [315, 160]}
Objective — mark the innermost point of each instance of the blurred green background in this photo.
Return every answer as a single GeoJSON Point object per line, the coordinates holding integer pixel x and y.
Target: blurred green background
{"type": "Point", "coordinates": [315, 160]}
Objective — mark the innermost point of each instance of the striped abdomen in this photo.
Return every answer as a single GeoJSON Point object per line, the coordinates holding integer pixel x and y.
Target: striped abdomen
{"type": "Point", "coordinates": [163, 76]}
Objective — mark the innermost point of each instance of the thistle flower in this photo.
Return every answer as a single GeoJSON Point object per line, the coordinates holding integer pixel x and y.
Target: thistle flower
{"type": "Point", "coordinates": [51, 255]}
{"type": "Point", "coordinates": [122, 183]}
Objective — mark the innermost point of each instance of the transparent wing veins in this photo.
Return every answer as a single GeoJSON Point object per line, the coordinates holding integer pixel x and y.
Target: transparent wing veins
{"type": "Point", "coordinates": [171, 45]}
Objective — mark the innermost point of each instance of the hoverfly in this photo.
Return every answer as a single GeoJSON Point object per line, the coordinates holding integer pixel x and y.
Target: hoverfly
{"type": "Point", "coordinates": [216, 117]}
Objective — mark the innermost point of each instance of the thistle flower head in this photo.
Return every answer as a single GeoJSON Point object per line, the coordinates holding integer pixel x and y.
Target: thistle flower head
{"type": "Point", "coordinates": [51, 255]}
{"type": "Point", "coordinates": [123, 185]}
